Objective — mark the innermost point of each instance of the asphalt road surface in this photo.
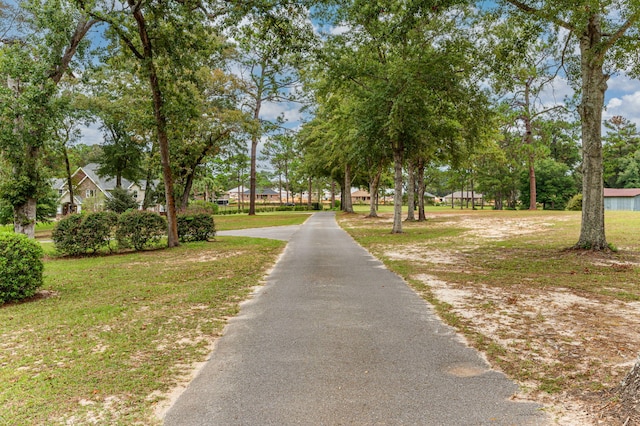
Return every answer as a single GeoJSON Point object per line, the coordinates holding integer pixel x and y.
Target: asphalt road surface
{"type": "Point", "coordinates": [334, 338]}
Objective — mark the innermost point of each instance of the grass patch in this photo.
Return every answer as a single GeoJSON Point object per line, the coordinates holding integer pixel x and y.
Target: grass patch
{"type": "Point", "coordinates": [557, 320]}
{"type": "Point", "coordinates": [260, 220]}
{"type": "Point", "coordinates": [116, 332]}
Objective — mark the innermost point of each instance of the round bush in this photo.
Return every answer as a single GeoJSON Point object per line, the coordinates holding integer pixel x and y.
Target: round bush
{"type": "Point", "coordinates": [196, 227]}
{"type": "Point", "coordinates": [575, 203]}
{"type": "Point", "coordinates": [20, 267]}
{"type": "Point", "coordinates": [139, 229]}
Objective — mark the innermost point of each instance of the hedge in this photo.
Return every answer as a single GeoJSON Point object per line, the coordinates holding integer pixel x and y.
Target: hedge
{"type": "Point", "coordinates": [196, 227]}
{"type": "Point", "coordinates": [140, 229]}
{"type": "Point", "coordinates": [79, 233]}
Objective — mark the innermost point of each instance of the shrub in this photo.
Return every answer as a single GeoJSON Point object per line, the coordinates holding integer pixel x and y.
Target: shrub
{"type": "Point", "coordinates": [201, 206]}
{"type": "Point", "coordinates": [66, 234]}
{"type": "Point", "coordinates": [140, 229]}
{"type": "Point", "coordinates": [20, 267]}
{"type": "Point", "coordinates": [196, 227]}
{"type": "Point", "coordinates": [575, 203]}
{"type": "Point", "coordinates": [80, 233]}
{"type": "Point", "coordinates": [97, 230]}
{"type": "Point", "coordinates": [120, 201]}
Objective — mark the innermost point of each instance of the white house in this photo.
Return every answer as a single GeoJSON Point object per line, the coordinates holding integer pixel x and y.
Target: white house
{"type": "Point", "coordinates": [90, 190]}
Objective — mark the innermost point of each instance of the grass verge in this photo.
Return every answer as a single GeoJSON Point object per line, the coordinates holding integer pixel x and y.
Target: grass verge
{"type": "Point", "coordinates": [563, 323]}
{"type": "Point", "coordinates": [110, 335]}
{"type": "Point", "coordinates": [261, 220]}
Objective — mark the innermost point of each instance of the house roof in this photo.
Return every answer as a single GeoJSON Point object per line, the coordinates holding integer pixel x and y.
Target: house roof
{"type": "Point", "coordinates": [58, 183]}
{"type": "Point", "coordinates": [621, 192]}
{"type": "Point", "coordinates": [105, 183]}
{"type": "Point", "coordinates": [465, 194]}
{"type": "Point", "coordinates": [360, 193]}
{"type": "Point", "coordinates": [266, 191]}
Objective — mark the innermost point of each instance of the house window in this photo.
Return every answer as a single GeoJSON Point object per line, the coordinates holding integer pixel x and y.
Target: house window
{"type": "Point", "coordinates": [135, 194]}
{"type": "Point", "coordinates": [60, 191]}
{"type": "Point", "coordinates": [90, 193]}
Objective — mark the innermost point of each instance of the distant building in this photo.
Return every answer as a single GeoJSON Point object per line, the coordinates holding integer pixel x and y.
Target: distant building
{"type": "Point", "coordinates": [622, 199]}
{"type": "Point", "coordinates": [266, 195]}
{"type": "Point", "coordinates": [360, 197]}
{"type": "Point", "coordinates": [464, 197]}
{"type": "Point", "coordinates": [90, 190]}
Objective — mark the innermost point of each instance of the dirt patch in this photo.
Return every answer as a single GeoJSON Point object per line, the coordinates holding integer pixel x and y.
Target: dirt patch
{"type": "Point", "coordinates": [573, 346]}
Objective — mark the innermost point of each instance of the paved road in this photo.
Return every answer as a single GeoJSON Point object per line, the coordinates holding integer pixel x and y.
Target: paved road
{"type": "Point", "coordinates": [336, 339]}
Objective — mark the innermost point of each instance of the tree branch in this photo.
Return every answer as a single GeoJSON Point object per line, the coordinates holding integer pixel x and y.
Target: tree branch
{"type": "Point", "coordinates": [540, 13]}
{"type": "Point", "coordinates": [617, 35]}
{"type": "Point", "coordinates": [80, 32]}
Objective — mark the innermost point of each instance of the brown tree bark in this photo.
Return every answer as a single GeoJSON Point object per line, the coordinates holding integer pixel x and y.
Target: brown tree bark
{"type": "Point", "coordinates": [67, 165]}
{"type": "Point", "coordinates": [411, 191]}
{"type": "Point", "coordinates": [398, 159]}
{"type": "Point", "coordinates": [421, 190]}
{"type": "Point", "coordinates": [161, 124]}
{"type": "Point", "coordinates": [594, 86]}
{"type": "Point", "coordinates": [373, 191]}
{"type": "Point", "coordinates": [347, 204]}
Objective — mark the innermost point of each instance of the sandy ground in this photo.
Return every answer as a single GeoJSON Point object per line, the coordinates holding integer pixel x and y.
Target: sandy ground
{"type": "Point", "coordinates": [561, 333]}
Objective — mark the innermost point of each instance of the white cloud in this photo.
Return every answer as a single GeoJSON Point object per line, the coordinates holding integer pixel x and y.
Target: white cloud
{"type": "Point", "coordinates": [91, 135]}
{"type": "Point", "coordinates": [627, 106]}
{"type": "Point", "coordinates": [555, 93]}
{"type": "Point", "coordinates": [272, 110]}
{"type": "Point", "coordinates": [623, 84]}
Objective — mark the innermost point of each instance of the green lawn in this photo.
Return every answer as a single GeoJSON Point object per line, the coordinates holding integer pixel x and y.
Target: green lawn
{"type": "Point", "coordinates": [260, 220]}
{"type": "Point", "coordinates": [115, 332]}
{"type": "Point", "coordinates": [562, 322]}
{"type": "Point", "coordinates": [110, 334]}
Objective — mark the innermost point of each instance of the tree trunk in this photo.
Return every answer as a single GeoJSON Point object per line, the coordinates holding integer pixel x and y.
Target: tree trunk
{"type": "Point", "coordinates": [398, 157]}
{"type": "Point", "coordinates": [628, 392]}
{"type": "Point", "coordinates": [594, 86]}
{"type": "Point", "coordinates": [528, 140]}
{"type": "Point", "coordinates": [161, 124]}
{"type": "Point", "coordinates": [421, 191]}
{"type": "Point", "coordinates": [347, 204]}
{"type": "Point", "coordinates": [333, 194]}
{"type": "Point", "coordinates": [188, 184]}
{"type": "Point", "coordinates": [67, 165]}
{"type": "Point", "coordinates": [309, 192]}
{"type": "Point", "coordinates": [373, 190]}
{"type": "Point", "coordinates": [253, 172]}
{"type": "Point", "coordinates": [24, 218]}
{"type": "Point", "coordinates": [411, 191]}
{"type": "Point", "coordinates": [473, 196]}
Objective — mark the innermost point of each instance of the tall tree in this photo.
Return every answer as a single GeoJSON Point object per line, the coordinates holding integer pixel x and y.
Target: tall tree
{"type": "Point", "coordinates": [620, 145]}
{"type": "Point", "coordinates": [270, 47]}
{"type": "Point", "coordinates": [33, 60]}
{"type": "Point", "coordinates": [408, 63]}
{"type": "Point", "coordinates": [606, 33]}
{"type": "Point", "coordinates": [168, 40]}
{"type": "Point", "coordinates": [279, 150]}
{"type": "Point", "coordinates": [524, 67]}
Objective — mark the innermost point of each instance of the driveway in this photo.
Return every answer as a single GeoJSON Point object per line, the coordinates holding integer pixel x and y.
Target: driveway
{"type": "Point", "coordinates": [334, 338]}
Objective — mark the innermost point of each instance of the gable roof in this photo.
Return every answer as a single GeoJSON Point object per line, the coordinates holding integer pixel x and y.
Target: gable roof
{"type": "Point", "coordinates": [360, 193]}
{"type": "Point", "coordinates": [621, 192]}
{"type": "Point", "coordinates": [266, 191]}
{"type": "Point", "coordinates": [105, 183]}
{"type": "Point", "coordinates": [465, 194]}
{"type": "Point", "coordinates": [59, 183]}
